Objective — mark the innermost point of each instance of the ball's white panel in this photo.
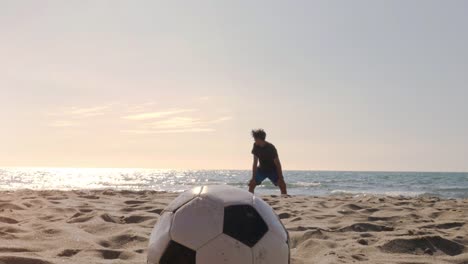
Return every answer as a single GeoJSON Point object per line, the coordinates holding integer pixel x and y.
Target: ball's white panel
{"type": "Point", "coordinates": [227, 195]}
{"type": "Point", "coordinates": [226, 250]}
{"type": "Point", "coordinates": [183, 198]}
{"type": "Point", "coordinates": [197, 222]}
{"type": "Point", "coordinates": [269, 216]}
{"type": "Point", "coordinates": [160, 238]}
{"type": "Point", "coordinates": [271, 250]}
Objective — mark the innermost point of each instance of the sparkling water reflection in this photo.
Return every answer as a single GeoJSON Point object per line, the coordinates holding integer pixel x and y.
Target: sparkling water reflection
{"type": "Point", "coordinates": [299, 182]}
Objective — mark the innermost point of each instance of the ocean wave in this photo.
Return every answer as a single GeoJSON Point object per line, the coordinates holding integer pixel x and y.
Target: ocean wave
{"type": "Point", "coordinates": [386, 193]}
{"type": "Point", "coordinates": [452, 189]}
{"type": "Point", "coordinates": [306, 184]}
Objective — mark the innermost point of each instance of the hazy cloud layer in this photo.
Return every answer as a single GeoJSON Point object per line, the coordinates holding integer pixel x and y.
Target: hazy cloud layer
{"type": "Point", "coordinates": [137, 119]}
{"type": "Point", "coordinates": [159, 114]}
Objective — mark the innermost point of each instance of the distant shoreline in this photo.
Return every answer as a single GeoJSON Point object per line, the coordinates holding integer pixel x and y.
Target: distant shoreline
{"type": "Point", "coordinates": [239, 169]}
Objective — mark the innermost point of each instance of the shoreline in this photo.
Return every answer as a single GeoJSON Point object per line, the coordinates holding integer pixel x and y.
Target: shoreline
{"type": "Point", "coordinates": [261, 193]}
{"type": "Point", "coordinates": [113, 226]}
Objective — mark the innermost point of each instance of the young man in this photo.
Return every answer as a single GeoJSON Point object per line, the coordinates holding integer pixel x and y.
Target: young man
{"type": "Point", "coordinates": [270, 165]}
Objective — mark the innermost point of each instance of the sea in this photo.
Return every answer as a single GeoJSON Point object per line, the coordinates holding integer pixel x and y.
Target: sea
{"type": "Point", "coordinates": [315, 183]}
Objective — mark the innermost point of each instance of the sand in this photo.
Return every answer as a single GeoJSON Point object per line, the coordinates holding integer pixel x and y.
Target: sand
{"type": "Point", "coordinates": [113, 227]}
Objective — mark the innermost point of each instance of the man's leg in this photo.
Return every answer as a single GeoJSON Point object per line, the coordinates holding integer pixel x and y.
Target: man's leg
{"type": "Point", "coordinates": [277, 181]}
{"type": "Point", "coordinates": [259, 177]}
{"type": "Point", "coordinates": [282, 186]}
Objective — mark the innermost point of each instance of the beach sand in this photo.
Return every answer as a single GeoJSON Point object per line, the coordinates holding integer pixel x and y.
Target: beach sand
{"type": "Point", "coordinates": [41, 227]}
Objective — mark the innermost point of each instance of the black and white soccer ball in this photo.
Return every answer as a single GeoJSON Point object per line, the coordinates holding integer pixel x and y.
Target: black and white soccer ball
{"type": "Point", "coordinates": [218, 224]}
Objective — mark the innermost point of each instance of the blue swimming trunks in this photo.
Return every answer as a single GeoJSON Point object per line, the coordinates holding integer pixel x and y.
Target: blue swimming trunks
{"type": "Point", "coordinates": [262, 175]}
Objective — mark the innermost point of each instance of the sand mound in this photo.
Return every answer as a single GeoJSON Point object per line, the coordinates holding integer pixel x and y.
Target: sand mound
{"type": "Point", "coordinates": [427, 244]}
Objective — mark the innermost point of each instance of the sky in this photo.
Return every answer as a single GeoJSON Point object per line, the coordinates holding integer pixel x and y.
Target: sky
{"type": "Point", "coordinates": [337, 85]}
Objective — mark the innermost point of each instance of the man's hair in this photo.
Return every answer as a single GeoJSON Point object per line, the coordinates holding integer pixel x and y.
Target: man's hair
{"type": "Point", "coordinates": [259, 133]}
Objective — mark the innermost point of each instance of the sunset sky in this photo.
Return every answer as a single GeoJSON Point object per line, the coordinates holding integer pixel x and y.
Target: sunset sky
{"type": "Point", "coordinates": [337, 85]}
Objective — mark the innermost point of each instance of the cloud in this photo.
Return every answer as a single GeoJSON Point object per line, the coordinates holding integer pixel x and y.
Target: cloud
{"type": "Point", "coordinates": [142, 107]}
{"type": "Point", "coordinates": [185, 123]}
{"type": "Point", "coordinates": [155, 115]}
{"type": "Point", "coordinates": [92, 111]}
{"type": "Point", "coordinates": [64, 124]}
{"type": "Point", "coordinates": [137, 119]}
{"type": "Point", "coordinates": [205, 98]}
{"type": "Point", "coordinates": [73, 116]}
{"type": "Point", "coordinates": [168, 131]}
{"type": "Point", "coordinates": [177, 122]}
{"type": "Point", "coordinates": [82, 112]}
{"type": "Point", "coordinates": [221, 119]}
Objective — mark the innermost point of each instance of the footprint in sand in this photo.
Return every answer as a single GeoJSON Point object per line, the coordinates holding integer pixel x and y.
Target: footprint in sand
{"type": "Point", "coordinates": [132, 202]}
{"type": "Point", "coordinates": [135, 219]}
{"type": "Point", "coordinates": [136, 207]}
{"type": "Point", "coordinates": [366, 227]}
{"type": "Point", "coordinates": [156, 211]}
{"type": "Point", "coordinates": [112, 219]}
{"type": "Point", "coordinates": [51, 231]}
{"type": "Point", "coordinates": [21, 260]}
{"type": "Point", "coordinates": [311, 234]}
{"type": "Point", "coordinates": [445, 225]}
{"type": "Point", "coordinates": [370, 210]}
{"type": "Point", "coordinates": [80, 218]}
{"type": "Point", "coordinates": [11, 230]}
{"type": "Point", "coordinates": [360, 257]}
{"type": "Point", "coordinates": [28, 205]}
{"type": "Point", "coordinates": [284, 216]}
{"type": "Point", "coordinates": [50, 218]}
{"type": "Point", "coordinates": [352, 207]}
{"type": "Point", "coordinates": [111, 254]}
{"type": "Point", "coordinates": [382, 218]}
{"type": "Point", "coordinates": [363, 242]}
{"type": "Point", "coordinates": [14, 250]}
{"type": "Point", "coordinates": [8, 220]}
{"type": "Point", "coordinates": [57, 198]}
{"type": "Point", "coordinates": [7, 236]}
{"type": "Point", "coordinates": [121, 240]}
{"type": "Point", "coordinates": [90, 197]}
{"type": "Point", "coordinates": [10, 206]}
{"type": "Point", "coordinates": [69, 252]}
{"type": "Point", "coordinates": [85, 210]}
{"type": "Point", "coordinates": [296, 219]}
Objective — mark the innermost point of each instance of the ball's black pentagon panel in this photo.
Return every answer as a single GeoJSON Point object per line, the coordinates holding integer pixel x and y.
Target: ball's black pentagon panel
{"type": "Point", "coordinates": [178, 254]}
{"type": "Point", "coordinates": [243, 223]}
{"type": "Point", "coordinates": [271, 218]}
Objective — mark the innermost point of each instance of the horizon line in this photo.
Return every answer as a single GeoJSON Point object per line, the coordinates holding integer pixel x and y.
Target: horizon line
{"type": "Point", "coordinates": [224, 169]}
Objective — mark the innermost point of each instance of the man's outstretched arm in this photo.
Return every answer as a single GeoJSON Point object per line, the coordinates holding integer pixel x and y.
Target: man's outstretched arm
{"type": "Point", "coordinates": [279, 171]}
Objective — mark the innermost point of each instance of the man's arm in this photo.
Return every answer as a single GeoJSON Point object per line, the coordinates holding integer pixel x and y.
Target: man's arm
{"type": "Point", "coordinates": [279, 171]}
{"type": "Point", "coordinates": [254, 167]}
{"type": "Point", "coordinates": [252, 182]}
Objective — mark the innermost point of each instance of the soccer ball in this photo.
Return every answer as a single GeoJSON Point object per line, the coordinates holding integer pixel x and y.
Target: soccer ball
{"type": "Point", "coordinates": [218, 224]}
